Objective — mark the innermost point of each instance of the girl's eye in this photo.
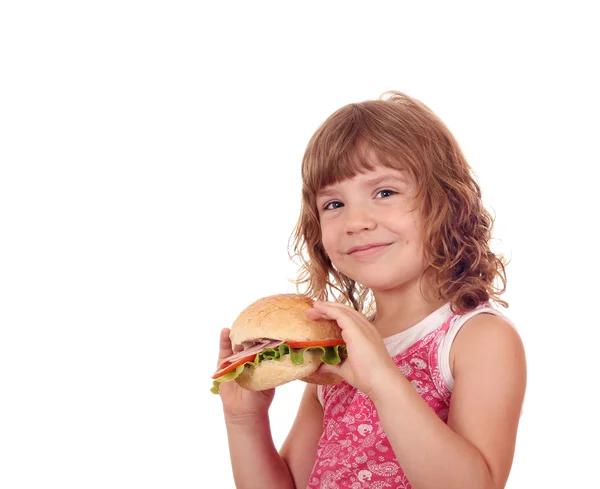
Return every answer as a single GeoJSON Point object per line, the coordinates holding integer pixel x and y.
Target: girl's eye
{"type": "Point", "coordinates": [334, 204]}
{"type": "Point", "coordinates": [382, 194]}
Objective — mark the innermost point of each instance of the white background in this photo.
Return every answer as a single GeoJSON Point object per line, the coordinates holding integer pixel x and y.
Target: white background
{"type": "Point", "coordinates": [149, 183]}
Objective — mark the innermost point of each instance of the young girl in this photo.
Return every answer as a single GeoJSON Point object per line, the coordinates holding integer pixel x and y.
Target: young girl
{"type": "Point", "coordinates": [392, 228]}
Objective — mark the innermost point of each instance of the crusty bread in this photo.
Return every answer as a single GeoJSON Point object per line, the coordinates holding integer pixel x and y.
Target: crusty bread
{"type": "Point", "coordinates": [281, 317]}
{"type": "Point", "coordinates": [322, 379]}
{"type": "Point", "coordinates": [272, 373]}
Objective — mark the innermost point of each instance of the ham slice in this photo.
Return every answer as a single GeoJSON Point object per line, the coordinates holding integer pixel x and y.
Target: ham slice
{"type": "Point", "coordinates": [251, 348]}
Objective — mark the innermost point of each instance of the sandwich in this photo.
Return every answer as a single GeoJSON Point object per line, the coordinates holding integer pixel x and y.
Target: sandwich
{"type": "Point", "coordinates": [274, 342]}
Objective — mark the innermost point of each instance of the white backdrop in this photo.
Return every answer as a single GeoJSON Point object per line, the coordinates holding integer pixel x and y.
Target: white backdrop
{"type": "Point", "coordinates": [149, 183]}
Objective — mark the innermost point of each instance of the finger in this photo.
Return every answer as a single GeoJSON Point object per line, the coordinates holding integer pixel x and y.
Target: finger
{"type": "Point", "coordinates": [225, 349]}
{"type": "Point", "coordinates": [326, 369]}
{"type": "Point", "coordinates": [334, 307]}
{"type": "Point", "coordinates": [330, 304]}
{"type": "Point", "coordinates": [343, 315]}
{"type": "Point", "coordinates": [314, 315]}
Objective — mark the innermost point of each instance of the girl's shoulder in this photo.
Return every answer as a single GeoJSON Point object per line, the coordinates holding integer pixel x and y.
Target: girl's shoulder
{"type": "Point", "coordinates": [485, 334]}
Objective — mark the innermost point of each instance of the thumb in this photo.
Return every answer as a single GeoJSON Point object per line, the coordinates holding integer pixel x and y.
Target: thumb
{"type": "Point", "coordinates": [330, 373]}
{"type": "Point", "coordinates": [224, 346]}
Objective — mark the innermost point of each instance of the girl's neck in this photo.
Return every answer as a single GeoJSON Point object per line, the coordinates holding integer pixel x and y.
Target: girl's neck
{"type": "Point", "coordinates": [398, 311]}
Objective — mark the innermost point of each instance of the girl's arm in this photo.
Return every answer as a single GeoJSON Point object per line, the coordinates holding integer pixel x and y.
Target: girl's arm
{"type": "Point", "coordinates": [300, 447]}
{"type": "Point", "coordinates": [475, 449]}
{"type": "Point", "coordinates": [254, 458]}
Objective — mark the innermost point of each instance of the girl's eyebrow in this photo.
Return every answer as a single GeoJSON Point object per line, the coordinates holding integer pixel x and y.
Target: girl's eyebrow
{"type": "Point", "coordinates": [325, 192]}
{"type": "Point", "coordinates": [373, 182]}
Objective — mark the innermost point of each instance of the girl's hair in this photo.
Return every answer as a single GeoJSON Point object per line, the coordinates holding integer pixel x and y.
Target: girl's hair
{"type": "Point", "coordinates": [401, 133]}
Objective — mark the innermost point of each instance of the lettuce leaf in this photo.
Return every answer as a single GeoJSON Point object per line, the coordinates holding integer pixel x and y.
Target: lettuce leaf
{"type": "Point", "coordinates": [332, 355]}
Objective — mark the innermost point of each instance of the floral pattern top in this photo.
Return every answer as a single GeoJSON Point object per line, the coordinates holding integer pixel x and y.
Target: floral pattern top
{"type": "Point", "coordinates": [353, 451]}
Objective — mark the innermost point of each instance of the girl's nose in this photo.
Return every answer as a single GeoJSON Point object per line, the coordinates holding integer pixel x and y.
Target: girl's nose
{"type": "Point", "coordinates": [358, 220]}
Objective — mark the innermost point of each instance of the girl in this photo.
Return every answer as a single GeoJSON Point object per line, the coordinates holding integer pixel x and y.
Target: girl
{"type": "Point", "coordinates": [392, 228]}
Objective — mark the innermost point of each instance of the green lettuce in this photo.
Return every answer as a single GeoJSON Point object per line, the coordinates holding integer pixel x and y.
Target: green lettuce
{"type": "Point", "coordinates": [332, 355]}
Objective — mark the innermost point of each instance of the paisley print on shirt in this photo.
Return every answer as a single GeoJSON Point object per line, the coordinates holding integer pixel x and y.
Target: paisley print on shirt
{"type": "Point", "coordinates": [354, 451]}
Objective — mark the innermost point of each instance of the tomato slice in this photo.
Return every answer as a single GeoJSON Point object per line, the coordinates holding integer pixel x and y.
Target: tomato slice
{"type": "Point", "coordinates": [222, 370]}
{"type": "Point", "coordinates": [229, 367]}
{"type": "Point", "coordinates": [306, 344]}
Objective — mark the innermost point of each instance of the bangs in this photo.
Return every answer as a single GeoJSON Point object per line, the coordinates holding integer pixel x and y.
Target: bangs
{"type": "Point", "coordinates": [350, 142]}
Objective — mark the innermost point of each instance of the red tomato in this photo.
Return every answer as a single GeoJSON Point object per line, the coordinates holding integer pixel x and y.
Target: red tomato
{"type": "Point", "coordinates": [222, 370]}
{"type": "Point", "coordinates": [306, 344]}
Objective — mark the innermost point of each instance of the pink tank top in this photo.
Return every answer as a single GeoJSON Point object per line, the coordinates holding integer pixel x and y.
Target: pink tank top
{"type": "Point", "coordinates": [354, 451]}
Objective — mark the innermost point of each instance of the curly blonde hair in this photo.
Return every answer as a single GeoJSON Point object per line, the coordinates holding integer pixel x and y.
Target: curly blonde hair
{"type": "Point", "coordinates": [404, 134]}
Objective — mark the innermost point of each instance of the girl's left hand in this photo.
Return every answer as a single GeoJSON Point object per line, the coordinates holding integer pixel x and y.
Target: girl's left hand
{"type": "Point", "coordinates": [368, 364]}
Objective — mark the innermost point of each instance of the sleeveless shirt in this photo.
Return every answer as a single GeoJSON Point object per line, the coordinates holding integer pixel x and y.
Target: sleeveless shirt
{"type": "Point", "coordinates": [353, 451]}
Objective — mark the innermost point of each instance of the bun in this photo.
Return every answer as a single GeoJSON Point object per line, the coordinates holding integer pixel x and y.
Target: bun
{"type": "Point", "coordinates": [322, 379]}
{"type": "Point", "coordinates": [272, 373]}
{"type": "Point", "coordinates": [282, 317]}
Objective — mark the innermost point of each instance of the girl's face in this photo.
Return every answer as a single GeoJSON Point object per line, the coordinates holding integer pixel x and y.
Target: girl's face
{"type": "Point", "coordinates": [371, 230]}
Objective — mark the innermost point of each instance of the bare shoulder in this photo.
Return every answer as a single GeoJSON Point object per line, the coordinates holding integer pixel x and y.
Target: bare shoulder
{"type": "Point", "coordinates": [486, 336]}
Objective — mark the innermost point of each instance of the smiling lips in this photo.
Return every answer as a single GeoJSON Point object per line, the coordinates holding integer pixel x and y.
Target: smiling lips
{"type": "Point", "coordinates": [367, 249]}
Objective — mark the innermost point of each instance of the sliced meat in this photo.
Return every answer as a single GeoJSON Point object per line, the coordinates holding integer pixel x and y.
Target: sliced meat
{"type": "Point", "coordinates": [246, 345]}
{"type": "Point", "coordinates": [253, 347]}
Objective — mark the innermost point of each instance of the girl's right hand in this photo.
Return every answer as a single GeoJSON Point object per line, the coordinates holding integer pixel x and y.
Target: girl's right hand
{"type": "Point", "coordinates": [240, 404]}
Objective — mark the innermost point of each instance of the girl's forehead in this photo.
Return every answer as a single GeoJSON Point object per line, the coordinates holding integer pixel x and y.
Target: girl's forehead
{"type": "Point", "coordinates": [325, 167]}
